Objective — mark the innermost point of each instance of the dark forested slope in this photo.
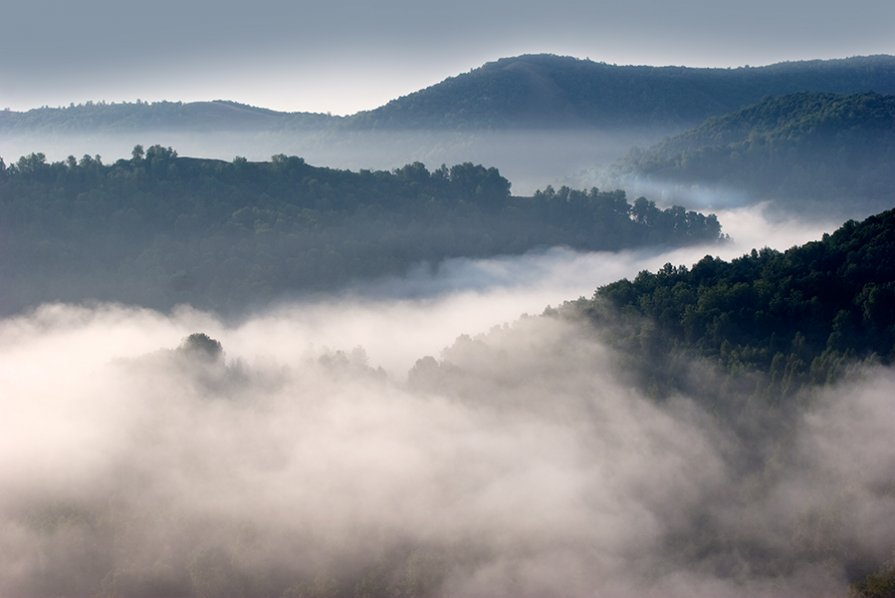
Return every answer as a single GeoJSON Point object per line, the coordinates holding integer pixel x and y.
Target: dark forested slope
{"type": "Point", "coordinates": [799, 316]}
{"type": "Point", "coordinates": [159, 229]}
{"type": "Point", "coordinates": [802, 147]}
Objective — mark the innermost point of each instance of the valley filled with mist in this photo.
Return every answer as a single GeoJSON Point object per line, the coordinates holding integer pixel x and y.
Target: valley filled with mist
{"type": "Point", "coordinates": [552, 327]}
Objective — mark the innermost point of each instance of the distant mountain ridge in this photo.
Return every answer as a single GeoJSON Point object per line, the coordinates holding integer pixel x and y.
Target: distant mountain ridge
{"type": "Point", "coordinates": [545, 90]}
{"type": "Point", "coordinates": [211, 115]}
{"type": "Point", "coordinates": [529, 91]}
{"type": "Point", "coordinates": [805, 146]}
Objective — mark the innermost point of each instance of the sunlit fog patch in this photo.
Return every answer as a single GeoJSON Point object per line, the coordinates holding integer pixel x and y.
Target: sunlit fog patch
{"type": "Point", "coordinates": [171, 451]}
{"type": "Point", "coordinates": [519, 462]}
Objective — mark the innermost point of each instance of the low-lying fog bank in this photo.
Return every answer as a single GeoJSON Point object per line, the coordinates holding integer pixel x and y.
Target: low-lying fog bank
{"type": "Point", "coordinates": [521, 463]}
{"type": "Point", "coordinates": [317, 457]}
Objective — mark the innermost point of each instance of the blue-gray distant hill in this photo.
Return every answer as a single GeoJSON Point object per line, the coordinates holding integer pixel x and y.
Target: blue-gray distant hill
{"type": "Point", "coordinates": [218, 115]}
{"type": "Point", "coordinates": [531, 91]}
{"type": "Point", "coordinates": [814, 148]}
{"type": "Point", "coordinates": [556, 91]}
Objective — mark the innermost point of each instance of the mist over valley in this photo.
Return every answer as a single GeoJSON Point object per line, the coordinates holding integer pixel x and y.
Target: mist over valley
{"type": "Point", "coordinates": [549, 327]}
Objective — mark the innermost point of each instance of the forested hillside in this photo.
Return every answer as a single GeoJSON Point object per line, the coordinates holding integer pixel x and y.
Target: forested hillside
{"type": "Point", "coordinates": [799, 316]}
{"type": "Point", "coordinates": [159, 229]}
{"type": "Point", "coordinates": [801, 148]}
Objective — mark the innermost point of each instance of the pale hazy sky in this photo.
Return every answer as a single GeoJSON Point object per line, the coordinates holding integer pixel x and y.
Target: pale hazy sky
{"type": "Point", "coordinates": [347, 55]}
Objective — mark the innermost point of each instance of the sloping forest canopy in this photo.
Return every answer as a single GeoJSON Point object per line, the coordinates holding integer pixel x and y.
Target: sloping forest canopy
{"type": "Point", "coordinates": [801, 316]}
{"type": "Point", "coordinates": [158, 229]}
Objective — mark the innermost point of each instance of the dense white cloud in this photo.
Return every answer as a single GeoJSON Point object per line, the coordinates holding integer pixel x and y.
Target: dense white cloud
{"type": "Point", "coordinates": [522, 464]}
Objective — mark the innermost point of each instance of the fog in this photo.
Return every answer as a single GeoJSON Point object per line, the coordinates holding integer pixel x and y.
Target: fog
{"type": "Point", "coordinates": [420, 438]}
{"type": "Point", "coordinates": [779, 206]}
{"type": "Point", "coordinates": [530, 159]}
